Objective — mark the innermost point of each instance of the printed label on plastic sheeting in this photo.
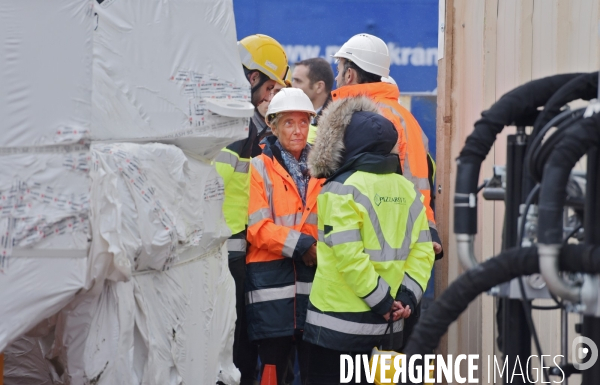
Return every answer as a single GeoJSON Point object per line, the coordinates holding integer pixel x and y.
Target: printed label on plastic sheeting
{"type": "Point", "coordinates": [214, 190]}
{"type": "Point", "coordinates": [200, 86]}
{"type": "Point", "coordinates": [71, 135]}
{"type": "Point", "coordinates": [24, 232]}
{"type": "Point", "coordinates": [23, 198]}
{"type": "Point", "coordinates": [31, 211]}
{"type": "Point", "coordinates": [105, 3]}
{"type": "Point", "coordinates": [82, 146]}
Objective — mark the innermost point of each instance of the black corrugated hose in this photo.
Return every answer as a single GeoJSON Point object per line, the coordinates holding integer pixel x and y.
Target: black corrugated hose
{"type": "Point", "coordinates": [517, 107]}
{"type": "Point", "coordinates": [583, 87]}
{"type": "Point", "coordinates": [578, 140]}
{"type": "Point", "coordinates": [510, 264]}
{"type": "Point", "coordinates": [539, 150]}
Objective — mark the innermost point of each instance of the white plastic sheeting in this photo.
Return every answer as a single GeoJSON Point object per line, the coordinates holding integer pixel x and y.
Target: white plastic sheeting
{"type": "Point", "coordinates": [161, 305]}
{"type": "Point", "coordinates": [151, 299]}
{"type": "Point", "coordinates": [174, 327]}
{"type": "Point", "coordinates": [45, 71]}
{"type": "Point", "coordinates": [156, 63]}
{"type": "Point", "coordinates": [25, 360]}
{"type": "Point", "coordinates": [159, 214]}
{"type": "Point", "coordinates": [154, 205]}
{"type": "Point", "coordinates": [44, 227]}
{"type": "Point", "coordinates": [45, 115]}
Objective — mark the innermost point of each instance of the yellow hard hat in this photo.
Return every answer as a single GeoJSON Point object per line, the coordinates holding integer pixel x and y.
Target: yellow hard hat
{"type": "Point", "coordinates": [264, 54]}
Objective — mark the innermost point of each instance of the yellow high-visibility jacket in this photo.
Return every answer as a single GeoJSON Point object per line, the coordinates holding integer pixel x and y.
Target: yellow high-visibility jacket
{"type": "Point", "coordinates": [374, 244]}
{"type": "Point", "coordinates": [233, 165]}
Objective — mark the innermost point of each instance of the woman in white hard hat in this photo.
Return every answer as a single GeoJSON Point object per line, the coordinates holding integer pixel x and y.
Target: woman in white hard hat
{"type": "Point", "coordinates": [282, 234]}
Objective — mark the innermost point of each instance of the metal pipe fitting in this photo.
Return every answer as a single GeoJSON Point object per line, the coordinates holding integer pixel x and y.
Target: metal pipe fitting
{"type": "Point", "coordinates": [548, 255]}
{"type": "Point", "coordinates": [465, 244]}
{"type": "Point", "coordinates": [590, 297]}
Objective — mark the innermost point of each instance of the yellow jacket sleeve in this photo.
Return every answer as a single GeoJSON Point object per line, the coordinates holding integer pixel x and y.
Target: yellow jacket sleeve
{"type": "Point", "coordinates": [418, 265]}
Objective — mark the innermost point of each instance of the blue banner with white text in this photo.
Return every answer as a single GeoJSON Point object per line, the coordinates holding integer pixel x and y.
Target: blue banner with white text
{"type": "Point", "coordinates": [311, 28]}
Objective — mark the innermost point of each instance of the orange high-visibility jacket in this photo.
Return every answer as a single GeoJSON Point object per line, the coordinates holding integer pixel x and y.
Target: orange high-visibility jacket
{"type": "Point", "coordinates": [280, 231]}
{"type": "Point", "coordinates": [413, 144]}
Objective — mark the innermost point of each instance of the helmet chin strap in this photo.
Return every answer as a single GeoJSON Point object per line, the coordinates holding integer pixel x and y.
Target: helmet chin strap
{"type": "Point", "coordinates": [263, 79]}
{"type": "Point", "coordinates": [258, 85]}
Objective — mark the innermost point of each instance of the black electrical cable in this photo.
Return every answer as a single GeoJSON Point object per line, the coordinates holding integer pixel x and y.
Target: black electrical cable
{"type": "Point", "coordinates": [517, 107]}
{"type": "Point", "coordinates": [536, 143]}
{"type": "Point", "coordinates": [481, 187]}
{"type": "Point", "coordinates": [538, 151]}
{"type": "Point", "coordinates": [528, 202]}
{"type": "Point", "coordinates": [558, 119]}
{"type": "Point", "coordinates": [583, 87]}
{"type": "Point", "coordinates": [571, 234]}
{"type": "Point", "coordinates": [582, 136]}
{"type": "Point", "coordinates": [542, 153]}
{"type": "Point", "coordinates": [527, 305]}
{"type": "Point", "coordinates": [532, 195]}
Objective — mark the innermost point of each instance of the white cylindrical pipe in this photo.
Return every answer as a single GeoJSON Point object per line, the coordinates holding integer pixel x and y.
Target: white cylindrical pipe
{"type": "Point", "coordinates": [466, 250]}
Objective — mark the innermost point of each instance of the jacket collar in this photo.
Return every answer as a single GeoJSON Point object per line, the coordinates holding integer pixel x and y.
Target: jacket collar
{"type": "Point", "coordinates": [379, 90]}
{"type": "Point", "coordinates": [259, 122]}
{"type": "Point", "coordinates": [272, 151]}
{"type": "Point", "coordinates": [367, 162]}
{"type": "Point", "coordinates": [327, 154]}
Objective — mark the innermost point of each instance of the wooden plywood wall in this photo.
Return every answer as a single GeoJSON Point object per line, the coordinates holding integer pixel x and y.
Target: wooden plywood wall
{"type": "Point", "coordinates": [491, 47]}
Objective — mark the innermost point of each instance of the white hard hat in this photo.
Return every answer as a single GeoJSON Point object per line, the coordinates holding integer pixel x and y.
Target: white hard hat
{"type": "Point", "coordinates": [290, 99]}
{"type": "Point", "coordinates": [368, 52]}
{"type": "Point", "coordinates": [388, 79]}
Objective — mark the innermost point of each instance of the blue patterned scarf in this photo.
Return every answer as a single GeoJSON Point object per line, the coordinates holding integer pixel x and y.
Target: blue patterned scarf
{"type": "Point", "coordinates": [298, 169]}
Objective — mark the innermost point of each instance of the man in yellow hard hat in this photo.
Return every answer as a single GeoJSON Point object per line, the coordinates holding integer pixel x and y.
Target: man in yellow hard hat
{"type": "Point", "coordinates": [266, 66]}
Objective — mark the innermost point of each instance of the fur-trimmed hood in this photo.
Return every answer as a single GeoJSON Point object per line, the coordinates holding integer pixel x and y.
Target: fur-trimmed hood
{"type": "Point", "coordinates": [371, 133]}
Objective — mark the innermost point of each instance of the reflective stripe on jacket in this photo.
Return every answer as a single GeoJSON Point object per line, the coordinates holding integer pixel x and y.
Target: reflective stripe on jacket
{"type": "Point", "coordinates": [413, 144]}
{"type": "Point", "coordinates": [233, 165]}
{"type": "Point", "coordinates": [280, 231]}
{"type": "Point", "coordinates": [374, 246]}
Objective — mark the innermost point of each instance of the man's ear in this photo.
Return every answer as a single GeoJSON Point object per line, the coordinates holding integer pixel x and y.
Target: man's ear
{"type": "Point", "coordinates": [350, 76]}
{"type": "Point", "coordinates": [254, 78]}
{"type": "Point", "coordinates": [320, 86]}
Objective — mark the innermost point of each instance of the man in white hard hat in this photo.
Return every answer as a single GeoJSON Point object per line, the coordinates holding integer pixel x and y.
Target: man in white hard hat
{"type": "Point", "coordinates": [362, 63]}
